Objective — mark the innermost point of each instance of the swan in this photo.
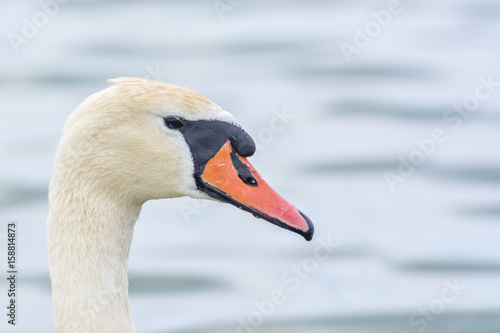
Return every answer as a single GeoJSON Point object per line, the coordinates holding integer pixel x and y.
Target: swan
{"type": "Point", "coordinates": [139, 140]}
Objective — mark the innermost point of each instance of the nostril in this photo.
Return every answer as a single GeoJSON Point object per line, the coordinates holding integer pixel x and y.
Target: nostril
{"type": "Point", "coordinates": [250, 181]}
{"type": "Point", "coordinates": [243, 172]}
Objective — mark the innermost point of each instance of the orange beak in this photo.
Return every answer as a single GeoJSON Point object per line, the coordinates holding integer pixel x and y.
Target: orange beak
{"type": "Point", "coordinates": [229, 177]}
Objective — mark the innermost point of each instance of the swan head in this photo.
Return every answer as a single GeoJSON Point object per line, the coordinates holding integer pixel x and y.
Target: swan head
{"type": "Point", "coordinates": [141, 139]}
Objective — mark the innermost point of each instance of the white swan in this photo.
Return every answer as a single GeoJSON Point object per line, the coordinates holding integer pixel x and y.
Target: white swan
{"type": "Point", "coordinates": [135, 141]}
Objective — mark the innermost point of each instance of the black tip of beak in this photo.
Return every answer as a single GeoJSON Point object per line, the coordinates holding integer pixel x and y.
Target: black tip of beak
{"type": "Point", "coordinates": [308, 235]}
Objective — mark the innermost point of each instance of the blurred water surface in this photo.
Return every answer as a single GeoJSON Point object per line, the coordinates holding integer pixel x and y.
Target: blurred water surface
{"type": "Point", "coordinates": [206, 267]}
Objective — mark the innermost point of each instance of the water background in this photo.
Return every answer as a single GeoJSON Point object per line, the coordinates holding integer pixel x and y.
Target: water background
{"type": "Point", "coordinates": [205, 270]}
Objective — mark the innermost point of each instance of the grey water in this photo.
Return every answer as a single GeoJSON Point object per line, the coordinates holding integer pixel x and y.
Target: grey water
{"type": "Point", "coordinates": [378, 119]}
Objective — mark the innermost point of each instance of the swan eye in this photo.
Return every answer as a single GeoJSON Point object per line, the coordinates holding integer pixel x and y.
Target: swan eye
{"type": "Point", "coordinates": [173, 122]}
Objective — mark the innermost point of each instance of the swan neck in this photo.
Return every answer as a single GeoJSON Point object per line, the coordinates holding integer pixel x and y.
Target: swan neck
{"type": "Point", "coordinates": [89, 239]}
